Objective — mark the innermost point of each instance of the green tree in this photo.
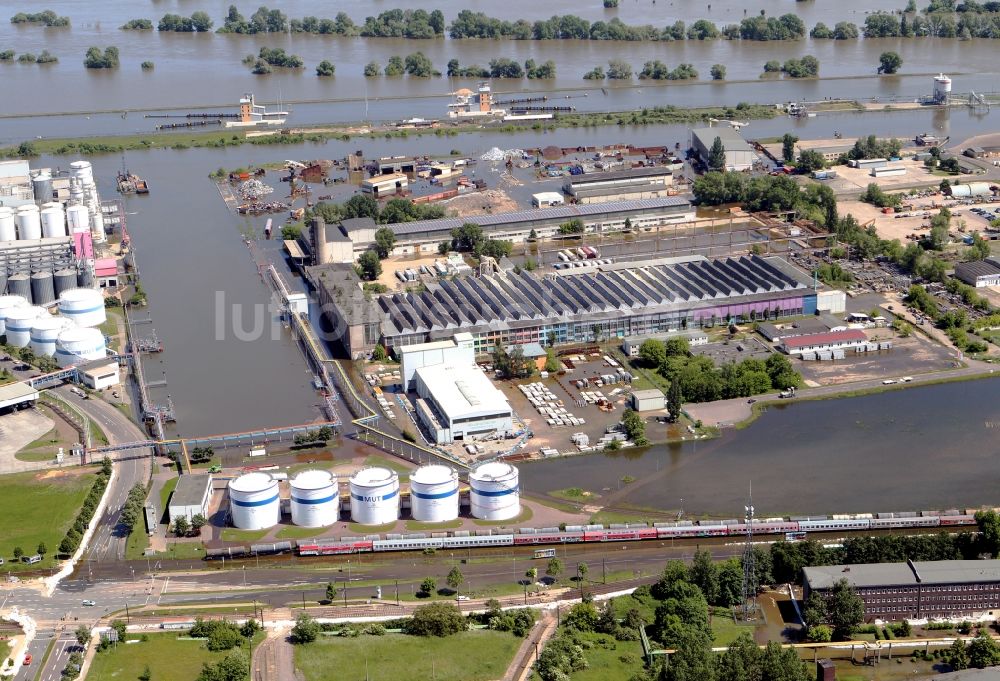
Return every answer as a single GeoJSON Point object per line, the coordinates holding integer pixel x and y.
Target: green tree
{"type": "Point", "coordinates": [454, 578]}
{"type": "Point", "coordinates": [705, 575]}
{"type": "Point", "coordinates": [554, 568]}
{"type": "Point", "coordinates": [844, 609]}
{"type": "Point", "coordinates": [233, 667]}
{"type": "Point", "coordinates": [619, 70]}
{"type": "Point", "coordinates": [331, 592]}
{"type": "Point", "coordinates": [983, 651]}
{"type": "Point", "coordinates": [361, 206]}
{"type": "Point", "coordinates": [989, 532]}
{"type": "Point", "coordinates": [958, 655]}
{"type": "Point", "coordinates": [653, 353]}
{"type": "Point", "coordinates": [435, 619]}
{"type": "Point", "coordinates": [979, 250]}
{"type": "Point", "coordinates": [717, 155]}
{"type": "Point", "coordinates": [82, 634]}
{"type": "Point", "coordinates": [417, 64]}
{"type": "Point", "coordinates": [889, 62]}
{"type": "Point", "coordinates": [635, 427]}
{"type": "Point", "coordinates": [306, 629]}
{"type": "Point", "coordinates": [582, 617]}
{"type": "Point", "coordinates": [788, 141]}
{"type": "Point", "coordinates": [198, 521]}
{"type": "Point", "coordinates": [718, 72]}
{"type": "Point", "coordinates": [385, 240]}
{"type": "Point", "coordinates": [372, 69]}
{"type": "Point", "coordinates": [379, 354]}
{"type": "Point", "coordinates": [325, 68]}
{"type": "Point", "coordinates": [250, 628]}
{"type": "Point", "coordinates": [811, 160]}
{"type": "Point", "coordinates": [181, 525]}
{"type": "Point", "coordinates": [674, 402]}
{"type": "Point", "coordinates": [42, 549]}
{"type": "Point", "coordinates": [106, 466]}
{"type": "Point", "coordinates": [428, 585]}
{"type": "Point", "coordinates": [369, 266]}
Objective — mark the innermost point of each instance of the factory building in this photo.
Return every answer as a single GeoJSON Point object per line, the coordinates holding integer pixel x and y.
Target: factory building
{"type": "Point", "coordinates": [16, 396]}
{"type": "Point", "coordinates": [648, 400]}
{"type": "Point", "coordinates": [832, 341]}
{"type": "Point", "coordinates": [101, 377]}
{"type": "Point", "coordinates": [458, 350]}
{"type": "Point", "coordinates": [623, 300]}
{"type": "Point", "coordinates": [384, 185]}
{"type": "Point", "coordinates": [191, 496]}
{"type": "Point", "coordinates": [458, 402]}
{"type": "Point", "coordinates": [979, 273]}
{"type": "Point", "coordinates": [969, 190]}
{"type": "Point", "coordinates": [546, 199]}
{"type": "Point", "coordinates": [619, 185]}
{"type": "Point", "coordinates": [915, 590]}
{"type": "Point", "coordinates": [739, 154]}
{"type": "Point", "coordinates": [630, 346]}
{"type": "Point", "coordinates": [424, 236]}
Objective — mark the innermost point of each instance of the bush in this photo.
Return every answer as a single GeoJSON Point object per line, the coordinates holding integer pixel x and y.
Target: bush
{"type": "Point", "coordinates": [95, 59]}
{"type": "Point", "coordinates": [435, 619]}
{"type": "Point", "coordinates": [306, 629]}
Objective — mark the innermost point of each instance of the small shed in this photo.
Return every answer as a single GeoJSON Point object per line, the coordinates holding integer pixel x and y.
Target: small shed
{"type": "Point", "coordinates": [825, 670]}
{"type": "Point", "coordinates": [648, 400]}
{"type": "Point", "coordinates": [533, 352]}
{"type": "Point", "coordinates": [191, 496]}
{"type": "Point", "coordinates": [543, 199]}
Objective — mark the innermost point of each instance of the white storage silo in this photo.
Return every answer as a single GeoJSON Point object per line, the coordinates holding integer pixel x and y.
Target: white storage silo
{"type": "Point", "coordinates": [494, 492]}
{"type": "Point", "coordinates": [8, 303]}
{"type": "Point", "coordinates": [79, 345]}
{"type": "Point", "coordinates": [53, 222]}
{"type": "Point", "coordinates": [315, 499]}
{"type": "Point", "coordinates": [254, 502]}
{"type": "Point", "coordinates": [8, 225]}
{"type": "Point", "coordinates": [78, 219]}
{"type": "Point", "coordinates": [19, 322]}
{"type": "Point", "coordinates": [97, 227]}
{"type": "Point", "coordinates": [374, 496]}
{"type": "Point", "coordinates": [434, 494]}
{"type": "Point", "coordinates": [44, 332]}
{"type": "Point", "coordinates": [85, 306]}
{"type": "Point", "coordinates": [29, 223]}
{"type": "Point", "coordinates": [942, 88]}
{"type": "Point", "coordinates": [82, 171]}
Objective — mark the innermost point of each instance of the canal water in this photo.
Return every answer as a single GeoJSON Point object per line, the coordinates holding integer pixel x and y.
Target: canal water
{"type": "Point", "coordinates": [933, 447]}
{"type": "Point", "coordinates": [222, 78]}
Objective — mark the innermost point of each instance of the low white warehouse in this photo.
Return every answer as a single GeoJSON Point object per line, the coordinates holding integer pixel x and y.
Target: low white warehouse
{"type": "Point", "coordinates": [460, 402]}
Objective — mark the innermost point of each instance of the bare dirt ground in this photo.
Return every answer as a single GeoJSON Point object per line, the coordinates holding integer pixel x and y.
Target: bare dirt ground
{"type": "Point", "coordinates": [913, 355]}
{"type": "Point", "coordinates": [18, 430]}
{"type": "Point", "coordinates": [481, 203]}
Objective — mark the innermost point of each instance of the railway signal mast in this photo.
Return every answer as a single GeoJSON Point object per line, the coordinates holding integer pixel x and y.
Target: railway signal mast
{"type": "Point", "coordinates": [749, 568]}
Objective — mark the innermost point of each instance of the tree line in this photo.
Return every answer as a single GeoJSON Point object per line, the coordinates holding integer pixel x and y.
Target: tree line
{"type": "Point", "coordinates": [46, 18]}
{"type": "Point", "coordinates": [501, 67]}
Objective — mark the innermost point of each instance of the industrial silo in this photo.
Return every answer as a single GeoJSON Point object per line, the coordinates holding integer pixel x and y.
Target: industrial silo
{"type": "Point", "coordinates": [78, 219]}
{"type": "Point", "coordinates": [434, 494]}
{"type": "Point", "coordinates": [85, 278]}
{"type": "Point", "coordinates": [19, 285]}
{"type": "Point", "coordinates": [85, 306]}
{"type": "Point", "coordinates": [64, 280]}
{"type": "Point", "coordinates": [44, 332]}
{"type": "Point", "coordinates": [254, 502]}
{"type": "Point", "coordinates": [53, 222]}
{"type": "Point", "coordinates": [78, 345]}
{"type": "Point", "coordinates": [374, 496]}
{"type": "Point", "coordinates": [3, 280]}
{"type": "Point", "coordinates": [8, 303]}
{"type": "Point", "coordinates": [8, 225]}
{"type": "Point", "coordinates": [97, 227]}
{"type": "Point", "coordinates": [29, 223]}
{"type": "Point", "coordinates": [43, 291]}
{"type": "Point", "coordinates": [42, 186]}
{"type": "Point", "coordinates": [19, 322]}
{"type": "Point", "coordinates": [494, 493]}
{"type": "Point", "coordinates": [315, 499]}
{"type": "Point", "coordinates": [82, 171]}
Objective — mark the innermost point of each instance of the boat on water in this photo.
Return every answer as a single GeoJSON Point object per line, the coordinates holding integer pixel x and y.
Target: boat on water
{"type": "Point", "coordinates": [129, 183]}
{"type": "Point", "coordinates": [253, 114]}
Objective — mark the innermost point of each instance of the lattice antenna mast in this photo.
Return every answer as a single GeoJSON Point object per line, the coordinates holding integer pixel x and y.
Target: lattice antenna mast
{"type": "Point", "coordinates": [749, 567]}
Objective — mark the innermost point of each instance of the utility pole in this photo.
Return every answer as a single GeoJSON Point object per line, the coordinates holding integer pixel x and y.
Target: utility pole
{"type": "Point", "coordinates": [128, 619]}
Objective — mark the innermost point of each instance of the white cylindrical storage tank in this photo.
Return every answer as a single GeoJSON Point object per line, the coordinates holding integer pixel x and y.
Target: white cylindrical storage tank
{"type": "Point", "coordinates": [97, 228]}
{"type": "Point", "coordinates": [45, 331]}
{"type": "Point", "coordinates": [942, 87]}
{"type": "Point", "coordinates": [254, 502]}
{"type": "Point", "coordinates": [84, 306]}
{"type": "Point", "coordinates": [79, 345]}
{"type": "Point", "coordinates": [434, 494]}
{"type": "Point", "coordinates": [8, 225]}
{"type": "Point", "coordinates": [19, 322]}
{"type": "Point", "coordinates": [82, 171]}
{"type": "Point", "coordinates": [8, 303]}
{"type": "Point", "coordinates": [374, 496]}
{"type": "Point", "coordinates": [29, 223]}
{"type": "Point", "coordinates": [494, 492]}
{"type": "Point", "coordinates": [315, 499]}
{"type": "Point", "coordinates": [78, 219]}
{"type": "Point", "coordinates": [53, 222]}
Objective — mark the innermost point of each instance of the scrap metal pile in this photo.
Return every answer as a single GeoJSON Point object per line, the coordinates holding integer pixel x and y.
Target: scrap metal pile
{"type": "Point", "coordinates": [251, 192]}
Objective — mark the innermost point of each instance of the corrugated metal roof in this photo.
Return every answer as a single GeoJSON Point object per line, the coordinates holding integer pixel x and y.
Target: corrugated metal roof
{"type": "Point", "coordinates": [731, 139]}
{"type": "Point", "coordinates": [976, 269]}
{"type": "Point", "coordinates": [626, 174]}
{"type": "Point", "coordinates": [898, 574]}
{"type": "Point", "coordinates": [823, 338]}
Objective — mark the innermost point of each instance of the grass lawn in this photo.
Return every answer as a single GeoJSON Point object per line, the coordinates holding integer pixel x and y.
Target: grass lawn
{"type": "Point", "coordinates": [165, 492]}
{"type": "Point", "coordinates": [468, 656]}
{"type": "Point", "coordinates": [4, 650]}
{"type": "Point", "coordinates": [138, 542]}
{"type": "Point", "coordinates": [292, 532]}
{"type": "Point", "coordinates": [167, 656]}
{"type": "Point", "coordinates": [232, 534]}
{"type": "Point", "coordinates": [390, 463]}
{"type": "Point", "coordinates": [525, 516]}
{"type": "Point", "coordinates": [418, 525]}
{"type": "Point", "coordinates": [725, 629]}
{"type": "Point", "coordinates": [574, 494]}
{"type": "Point", "coordinates": [610, 659]}
{"type": "Point", "coordinates": [21, 497]}
{"type": "Point", "coordinates": [358, 528]}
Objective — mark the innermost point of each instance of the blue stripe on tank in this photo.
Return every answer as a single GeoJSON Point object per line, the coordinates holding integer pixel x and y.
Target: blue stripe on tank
{"type": "Point", "coordinates": [251, 504]}
{"type": "Point", "coordinates": [498, 493]}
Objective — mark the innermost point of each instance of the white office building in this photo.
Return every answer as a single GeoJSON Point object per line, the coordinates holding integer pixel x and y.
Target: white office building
{"type": "Point", "coordinates": [458, 350]}
{"type": "Point", "coordinates": [458, 402]}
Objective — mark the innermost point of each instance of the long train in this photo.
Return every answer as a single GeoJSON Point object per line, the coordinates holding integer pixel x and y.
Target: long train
{"type": "Point", "coordinates": [573, 534]}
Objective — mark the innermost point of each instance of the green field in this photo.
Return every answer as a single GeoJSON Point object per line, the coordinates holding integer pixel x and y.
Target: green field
{"type": "Point", "coordinates": [469, 656]}
{"type": "Point", "coordinates": [725, 629]}
{"type": "Point", "coordinates": [292, 532]}
{"type": "Point", "coordinates": [167, 656]}
{"type": "Point", "coordinates": [22, 495]}
{"type": "Point", "coordinates": [232, 534]}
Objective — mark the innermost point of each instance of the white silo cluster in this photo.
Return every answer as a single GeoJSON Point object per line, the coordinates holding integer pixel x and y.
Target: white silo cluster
{"type": "Point", "coordinates": [434, 494]}
{"type": "Point", "coordinates": [8, 303]}
{"type": "Point", "coordinates": [374, 496]}
{"type": "Point", "coordinates": [315, 498]}
{"type": "Point", "coordinates": [8, 224]}
{"type": "Point", "coordinates": [19, 322]}
{"type": "Point", "coordinates": [45, 332]}
{"type": "Point", "coordinates": [79, 344]}
{"type": "Point", "coordinates": [29, 223]}
{"type": "Point", "coordinates": [53, 220]}
{"type": "Point", "coordinates": [254, 502]}
{"type": "Point", "coordinates": [83, 306]}
{"type": "Point", "coordinates": [83, 191]}
{"type": "Point", "coordinates": [494, 492]}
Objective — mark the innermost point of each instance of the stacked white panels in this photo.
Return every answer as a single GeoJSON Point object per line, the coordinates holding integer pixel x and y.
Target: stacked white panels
{"type": "Point", "coordinates": [78, 345]}
{"type": "Point", "coordinates": [494, 492]}
{"type": "Point", "coordinates": [85, 306]}
{"type": "Point", "coordinates": [53, 222]}
{"type": "Point", "coordinates": [8, 225]}
{"type": "Point", "coordinates": [434, 494]}
{"type": "Point", "coordinates": [254, 503]}
{"type": "Point", "coordinates": [78, 218]}
{"type": "Point", "coordinates": [29, 223]}
{"type": "Point", "coordinates": [8, 303]}
{"type": "Point", "coordinates": [315, 499]}
{"type": "Point", "coordinates": [19, 323]}
{"type": "Point", "coordinates": [44, 332]}
{"type": "Point", "coordinates": [374, 496]}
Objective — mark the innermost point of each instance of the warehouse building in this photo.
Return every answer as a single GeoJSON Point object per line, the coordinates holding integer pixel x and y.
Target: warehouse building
{"type": "Point", "coordinates": [191, 496]}
{"type": "Point", "coordinates": [622, 300]}
{"type": "Point", "coordinates": [458, 402]}
{"type": "Point", "coordinates": [916, 590]}
{"type": "Point", "coordinates": [101, 377]}
{"type": "Point", "coordinates": [17, 396]}
{"type": "Point", "coordinates": [979, 273]}
{"type": "Point", "coordinates": [345, 242]}
{"type": "Point", "coordinates": [547, 199]}
{"type": "Point", "coordinates": [850, 339]}
{"type": "Point", "coordinates": [620, 185]}
{"type": "Point", "coordinates": [739, 154]}
{"type": "Point", "coordinates": [969, 190]}
{"type": "Point", "coordinates": [385, 185]}
{"type": "Point", "coordinates": [630, 346]}
{"type": "Point", "coordinates": [456, 351]}
{"type": "Point", "coordinates": [648, 400]}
